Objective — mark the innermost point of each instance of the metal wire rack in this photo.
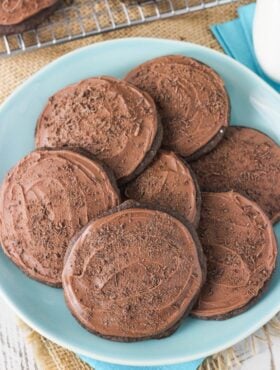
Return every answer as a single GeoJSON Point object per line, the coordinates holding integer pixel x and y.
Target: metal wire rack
{"type": "Point", "coordinates": [81, 18]}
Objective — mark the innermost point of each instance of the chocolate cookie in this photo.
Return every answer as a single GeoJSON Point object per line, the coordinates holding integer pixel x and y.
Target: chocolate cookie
{"type": "Point", "coordinates": [168, 182]}
{"type": "Point", "coordinates": [19, 15]}
{"type": "Point", "coordinates": [44, 200]}
{"type": "Point", "coordinates": [133, 274]}
{"type": "Point", "coordinates": [246, 161]}
{"type": "Point", "coordinates": [241, 250]}
{"type": "Point", "coordinates": [191, 99]}
{"type": "Point", "coordinates": [110, 118]}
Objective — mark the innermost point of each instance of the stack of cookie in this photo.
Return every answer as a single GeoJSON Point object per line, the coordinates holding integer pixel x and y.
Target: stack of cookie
{"type": "Point", "coordinates": [109, 206]}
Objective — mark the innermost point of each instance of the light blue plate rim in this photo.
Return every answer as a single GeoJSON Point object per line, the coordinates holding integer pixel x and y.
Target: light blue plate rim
{"type": "Point", "coordinates": [43, 330]}
{"type": "Point", "coordinates": [108, 43]}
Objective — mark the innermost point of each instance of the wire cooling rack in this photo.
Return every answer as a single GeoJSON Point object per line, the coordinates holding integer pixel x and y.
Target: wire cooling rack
{"type": "Point", "coordinates": [81, 18]}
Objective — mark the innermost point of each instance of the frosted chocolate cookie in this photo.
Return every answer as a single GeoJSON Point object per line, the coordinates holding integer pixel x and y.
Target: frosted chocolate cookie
{"type": "Point", "coordinates": [248, 162]}
{"type": "Point", "coordinates": [238, 241]}
{"type": "Point", "coordinates": [110, 118]}
{"type": "Point", "coordinates": [133, 274]}
{"type": "Point", "coordinates": [191, 99]}
{"type": "Point", "coordinates": [44, 200]}
{"type": "Point", "coordinates": [169, 183]}
{"type": "Point", "coordinates": [17, 16]}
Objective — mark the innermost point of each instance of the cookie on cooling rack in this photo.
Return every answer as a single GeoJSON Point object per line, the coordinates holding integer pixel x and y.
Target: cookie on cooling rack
{"type": "Point", "coordinates": [191, 99]}
{"type": "Point", "coordinates": [247, 161]}
{"type": "Point", "coordinates": [239, 243]}
{"type": "Point", "coordinates": [17, 16]}
{"type": "Point", "coordinates": [110, 118]}
{"type": "Point", "coordinates": [168, 182]}
{"type": "Point", "coordinates": [133, 274]}
{"type": "Point", "coordinates": [44, 200]}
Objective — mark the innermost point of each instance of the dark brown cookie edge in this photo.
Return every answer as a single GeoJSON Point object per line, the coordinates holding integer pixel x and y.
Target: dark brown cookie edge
{"type": "Point", "coordinates": [195, 222]}
{"type": "Point", "coordinates": [276, 217]}
{"type": "Point", "coordinates": [198, 195]}
{"type": "Point", "coordinates": [150, 154]}
{"type": "Point", "coordinates": [201, 257]}
{"type": "Point", "coordinates": [26, 273]}
{"type": "Point", "coordinates": [214, 141]}
{"type": "Point", "coordinates": [241, 310]}
{"type": "Point", "coordinates": [113, 182]}
{"type": "Point", "coordinates": [254, 300]}
{"type": "Point", "coordinates": [90, 156]}
{"type": "Point", "coordinates": [207, 147]}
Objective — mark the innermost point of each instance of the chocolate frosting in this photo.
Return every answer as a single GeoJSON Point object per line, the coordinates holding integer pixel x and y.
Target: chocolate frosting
{"type": "Point", "coordinates": [168, 183]}
{"type": "Point", "coordinates": [132, 274]}
{"type": "Point", "coordinates": [240, 246]}
{"type": "Point", "coordinates": [13, 12]}
{"type": "Point", "coordinates": [45, 199]}
{"type": "Point", "coordinates": [191, 99]}
{"type": "Point", "coordinates": [110, 118]}
{"type": "Point", "coordinates": [246, 161]}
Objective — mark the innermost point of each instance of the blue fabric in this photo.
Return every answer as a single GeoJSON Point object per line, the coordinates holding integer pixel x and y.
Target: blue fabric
{"type": "Point", "coordinates": [236, 39]}
{"type": "Point", "coordinates": [98, 365]}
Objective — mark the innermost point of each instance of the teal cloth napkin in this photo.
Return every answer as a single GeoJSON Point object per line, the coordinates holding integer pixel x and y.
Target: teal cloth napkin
{"type": "Point", "coordinates": [98, 365]}
{"type": "Point", "coordinates": [236, 39]}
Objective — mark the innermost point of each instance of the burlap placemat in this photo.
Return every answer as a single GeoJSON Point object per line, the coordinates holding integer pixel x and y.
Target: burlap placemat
{"type": "Point", "coordinates": [13, 71]}
{"type": "Point", "coordinates": [192, 27]}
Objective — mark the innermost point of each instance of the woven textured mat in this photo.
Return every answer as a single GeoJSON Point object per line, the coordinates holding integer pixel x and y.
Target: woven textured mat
{"type": "Point", "coordinates": [191, 27]}
{"type": "Point", "coordinates": [13, 71]}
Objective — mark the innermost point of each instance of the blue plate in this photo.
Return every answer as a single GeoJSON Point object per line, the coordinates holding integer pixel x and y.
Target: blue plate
{"type": "Point", "coordinates": [254, 104]}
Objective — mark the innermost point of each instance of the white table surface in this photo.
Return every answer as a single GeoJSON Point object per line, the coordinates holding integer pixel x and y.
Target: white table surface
{"type": "Point", "coordinates": [16, 353]}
